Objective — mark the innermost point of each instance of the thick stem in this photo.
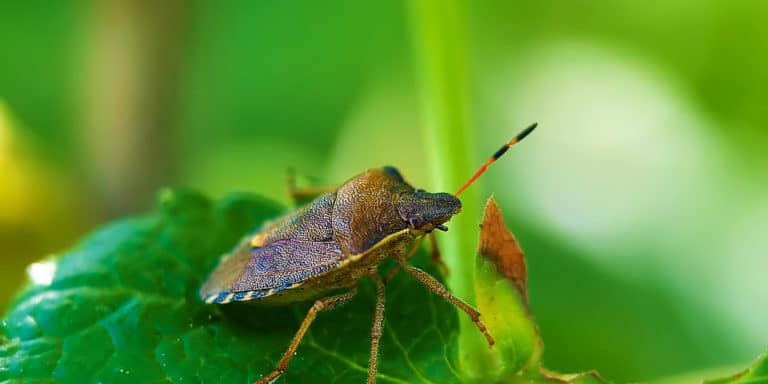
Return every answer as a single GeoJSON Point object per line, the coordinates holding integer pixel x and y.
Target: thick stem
{"type": "Point", "coordinates": [440, 50]}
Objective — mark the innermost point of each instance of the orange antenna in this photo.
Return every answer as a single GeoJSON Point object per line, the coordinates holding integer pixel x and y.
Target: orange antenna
{"type": "Point", "coordinates": [520, 136]}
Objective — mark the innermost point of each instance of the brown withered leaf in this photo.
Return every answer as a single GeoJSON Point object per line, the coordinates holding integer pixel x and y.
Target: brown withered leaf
{"type": "Point", "coordinates": [499, 246]}
{"type": "Point", "coordinates": [500, 279]}
{"type": "Point", "coordinates": [502, 298]}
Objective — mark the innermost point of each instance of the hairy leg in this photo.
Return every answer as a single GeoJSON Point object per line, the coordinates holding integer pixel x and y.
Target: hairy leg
{"type": "Point", "coordinates": [397, 267]}
{"type": "Point", "coordinates": [377, 328]}
{"type": "Point", "coordinates": [439, 289]}
{"type": "Point", "coordinates": [320, 305]}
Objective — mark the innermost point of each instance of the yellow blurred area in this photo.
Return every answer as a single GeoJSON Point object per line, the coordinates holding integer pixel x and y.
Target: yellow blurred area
{"type": "Point", "coordinates": [22, 181]}
{"type": "Point", "coordinates": [37, 203]}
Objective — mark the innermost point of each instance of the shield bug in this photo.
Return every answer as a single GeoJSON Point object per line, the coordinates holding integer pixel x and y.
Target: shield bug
{"type": "Point", "coordinates": [337, 239]}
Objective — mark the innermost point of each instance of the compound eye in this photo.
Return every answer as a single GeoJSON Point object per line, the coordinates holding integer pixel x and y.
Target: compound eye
{"type": "Point", "coordinates": [413, 223]}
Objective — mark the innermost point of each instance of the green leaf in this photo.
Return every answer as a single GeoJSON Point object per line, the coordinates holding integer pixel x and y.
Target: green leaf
{"type": "Point", "coordinates": [501, 287]}
{"type": "Point", "coordinates": [757, 373]}
{"type": "Point", "coordinates": [500, 283]}
{"type": "Point", "coordinates": [123, 308]}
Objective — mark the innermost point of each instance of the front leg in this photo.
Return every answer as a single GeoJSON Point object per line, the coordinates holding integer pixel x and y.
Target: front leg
{"type": "Point", "coordinates": [398, 266]}
{"type": "Point", "coordinates": [439, 289]}
{"type": "Point", "coordinates": [434, 255]}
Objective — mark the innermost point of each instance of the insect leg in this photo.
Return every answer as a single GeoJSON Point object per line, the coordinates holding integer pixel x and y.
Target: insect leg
{"type": "Point", "coordinates": [320, 305]}
{"type": "Point", "coordinates": [304, 194]}
{"type": "Point", "coordinates": [439, 289]}
{"type": "Point", "coordinates": [397, 267]}
{"type": "Point", "coordinates": [376, 330]}
{"type": "Point", "coordinates": [435, 255]}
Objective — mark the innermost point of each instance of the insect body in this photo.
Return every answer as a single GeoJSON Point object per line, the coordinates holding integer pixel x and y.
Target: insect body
{"type": "Point", "coordinates": [331, 243]}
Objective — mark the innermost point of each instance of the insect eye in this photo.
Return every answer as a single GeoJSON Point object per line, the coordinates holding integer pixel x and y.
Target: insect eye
{"type": "Point", "coordinates": [419, 190]}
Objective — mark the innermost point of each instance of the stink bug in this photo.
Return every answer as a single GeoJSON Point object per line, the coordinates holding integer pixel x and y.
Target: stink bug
{"type": "Point", "coordinates": [332, 242]}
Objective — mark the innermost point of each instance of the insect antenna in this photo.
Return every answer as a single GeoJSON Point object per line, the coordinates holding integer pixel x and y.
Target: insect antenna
{"type": "Point", "coordinates": [520, 136]}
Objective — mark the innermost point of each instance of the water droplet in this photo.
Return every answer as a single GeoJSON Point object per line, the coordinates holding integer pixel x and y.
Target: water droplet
{"type": "Point", "coordinates": [41, 273]}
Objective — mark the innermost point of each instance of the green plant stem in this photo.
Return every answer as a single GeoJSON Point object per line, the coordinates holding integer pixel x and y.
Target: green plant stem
{"type": "Point", "coordinates": [440, 42]}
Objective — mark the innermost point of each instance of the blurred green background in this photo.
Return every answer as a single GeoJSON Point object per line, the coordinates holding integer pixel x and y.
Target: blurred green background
{"type": "Point", "coordinates": [640, 201]}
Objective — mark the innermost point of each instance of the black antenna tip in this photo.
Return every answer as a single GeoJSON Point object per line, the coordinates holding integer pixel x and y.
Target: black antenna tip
{"type": "Point", "coordinates": [526, 132]}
